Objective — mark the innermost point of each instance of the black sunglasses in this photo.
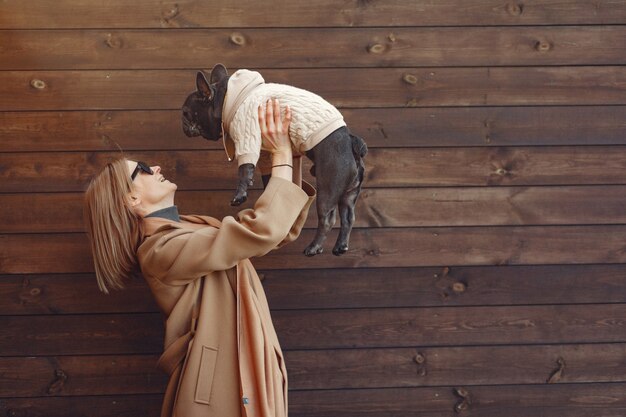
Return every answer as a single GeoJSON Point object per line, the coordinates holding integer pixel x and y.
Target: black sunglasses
{"type": "Point", "coordinates": [141, 166]}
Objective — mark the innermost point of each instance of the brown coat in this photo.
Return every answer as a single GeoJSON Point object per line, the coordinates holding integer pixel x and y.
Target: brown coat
{"type": "Point", "coordinates": [221, 350]}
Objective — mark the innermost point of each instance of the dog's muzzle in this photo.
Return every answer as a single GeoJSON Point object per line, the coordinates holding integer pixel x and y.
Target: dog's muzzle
{"type": "Point", "coordinates": [190, 129]}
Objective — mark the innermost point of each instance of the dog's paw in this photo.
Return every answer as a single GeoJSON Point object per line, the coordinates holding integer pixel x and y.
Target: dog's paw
{"type": "Point", "coordinates": [340, 249]}
{"type": "Point", "coordinates": [238, 200]}
{"type": "Point", "coordinates": [313, 250]}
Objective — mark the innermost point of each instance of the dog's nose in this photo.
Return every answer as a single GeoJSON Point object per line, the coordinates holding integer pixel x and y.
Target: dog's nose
{"type": "Point", "coordinates": [190, 129]}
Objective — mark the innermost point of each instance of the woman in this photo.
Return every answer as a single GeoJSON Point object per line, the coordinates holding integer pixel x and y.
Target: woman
{"type": "Point", "coordinates": [221, 352]}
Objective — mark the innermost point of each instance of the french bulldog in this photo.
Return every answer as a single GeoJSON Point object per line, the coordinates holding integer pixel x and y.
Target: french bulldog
{"type": "Point", "coordinates": [225, 107]}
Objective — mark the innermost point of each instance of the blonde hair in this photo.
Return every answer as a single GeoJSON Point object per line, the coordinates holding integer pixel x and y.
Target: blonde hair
{"type": "Point", "coordinates": [114, 230]}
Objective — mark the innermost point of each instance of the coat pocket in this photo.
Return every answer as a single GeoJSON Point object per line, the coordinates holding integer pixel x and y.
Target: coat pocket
{"type": "Point", "coordinates": [206, 373]}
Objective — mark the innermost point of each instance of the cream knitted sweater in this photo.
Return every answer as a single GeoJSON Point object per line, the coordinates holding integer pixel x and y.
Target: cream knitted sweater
{"type": "Point", "coordinates": [313, 118]}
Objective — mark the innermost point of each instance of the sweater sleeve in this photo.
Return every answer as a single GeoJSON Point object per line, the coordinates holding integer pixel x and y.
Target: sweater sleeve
{"type": "Point", "coordinates": [182, 255]}
{"type": "Point", "coordinates": [246, 133]}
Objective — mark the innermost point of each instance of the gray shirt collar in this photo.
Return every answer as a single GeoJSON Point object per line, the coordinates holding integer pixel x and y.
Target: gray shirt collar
{"type": "Point", "coordinates": [169, 213]}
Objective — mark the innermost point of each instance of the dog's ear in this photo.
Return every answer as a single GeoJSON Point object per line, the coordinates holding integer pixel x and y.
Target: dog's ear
{"type": "Point", "coordinates": [203, 86]}
{"type": "Point", "coordinates": [218, 73]}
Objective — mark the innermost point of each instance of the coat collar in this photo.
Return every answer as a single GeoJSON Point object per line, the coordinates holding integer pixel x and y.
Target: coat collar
{"type": "Point", "coordinates": [153, 225]}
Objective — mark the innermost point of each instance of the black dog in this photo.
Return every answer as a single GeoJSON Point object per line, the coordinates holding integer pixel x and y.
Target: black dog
{"type": "Point", "coordinates": [337, 156]}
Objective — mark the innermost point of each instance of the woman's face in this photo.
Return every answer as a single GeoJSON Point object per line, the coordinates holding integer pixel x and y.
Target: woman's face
{"type": "Point", "coordinates": [152, 190]}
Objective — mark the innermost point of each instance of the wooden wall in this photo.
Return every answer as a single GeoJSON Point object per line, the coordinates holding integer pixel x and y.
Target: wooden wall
{"type": "Point", "coordinates": [487, 274]}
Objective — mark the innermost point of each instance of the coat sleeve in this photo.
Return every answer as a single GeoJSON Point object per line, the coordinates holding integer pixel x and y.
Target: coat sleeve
{"type": "Point", "coordinates": [182, 255]}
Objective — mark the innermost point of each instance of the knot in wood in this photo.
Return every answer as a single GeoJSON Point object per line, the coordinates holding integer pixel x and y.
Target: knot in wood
{"type": "Point", "coordinates": [59, 381]}
{"type": "Point", "coordinates": [557, 374]}
{"type": "Point", "coordinates": [543, 46]}
{"type": "Point", "coordinates": [391, 37]}
{"type": "Point", "coordinates": [465, 400]}
{"type": "Point", "coordinates": [459, 287]}
{"type": "Point", "coordinates": [420, 360]}
{"type": "Point", "coordinates": [38, 84]}
{"type": "Point", "coordinates": [515, 9]}
{"type": "Point", "coordinates": [412, 103]}
{"type": "Point", "coordinates": [35, 292]}
{"type": "Point", "coordinates": [409, 79]}
{"type": "Point", "coordinates": [373, 252]}
{"type": "Point", "coordinates": [170, 12]}
{"type": "Point", "coordinates": [237, 39]}
{"type": "Point", "coordinates": [112, 41]}
{"type": "Point", "coordinates": [106, 140]}
{"type": "Point", "coordinates": [501, 171]}
{"type": "Point", "coordinates": [376, 48]}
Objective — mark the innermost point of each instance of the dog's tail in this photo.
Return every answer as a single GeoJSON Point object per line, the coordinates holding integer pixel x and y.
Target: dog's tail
{"type": "Point", "coordinates": [359, 148]}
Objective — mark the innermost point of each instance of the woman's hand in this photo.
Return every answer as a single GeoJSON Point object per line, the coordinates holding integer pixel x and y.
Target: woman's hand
{"type": "Point", "coordinates": [275, 132]}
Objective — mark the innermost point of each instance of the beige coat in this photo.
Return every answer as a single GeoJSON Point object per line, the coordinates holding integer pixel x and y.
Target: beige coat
{"type": "Point", "coordinates": [221, 351]}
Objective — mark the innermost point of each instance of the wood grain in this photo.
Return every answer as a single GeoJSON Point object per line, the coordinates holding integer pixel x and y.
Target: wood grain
{"type": "Point", "coordinates": [407, 247]}
{"type": "Point", "coordinates": [82, 334]}
{"type": "Point", "coordinates": [330, 369]}
{"type": "Point", "coordinates": [362, 88]}
{"type": "Point", "coordinates": [70, 294]}
{"type": "Point", "coordinates": [81, 375]}
{"type": "Point", "coordinates": [414, 167]}
{"type": "Point", "coordinates": [137, 405]}
{"type": "Point", "coordinates": [198, 13]}
{"type": "Point", "coordinates": [98, 334]}
{"type": "Point", "coordinates": [312, 47]}
{"type": "Point", "coordinates": [357, 328]}
{"type": "Point", "coordinates": [400, 127]}
{"type": "Point", "coordinates": [572, 400]}
{"type": "Point", "coordinates": [342, 288]}
{"type": "Point", "coordinates": [584, 400]}
{"type": "Point", "coordinates": [467, 366]}
{"type": "Point", "coordinates": [376, 207]}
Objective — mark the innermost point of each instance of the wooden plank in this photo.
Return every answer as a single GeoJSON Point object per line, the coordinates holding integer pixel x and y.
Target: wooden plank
{"type": "Point", "coordinates": [93, 406]}
{"type": "Point", "coordinates": [457, 286]}
{"type": "Point", "coordinates": [312, 47]}
{"type": "Point", "coordinates": [408, 247]}
{"type": "Point", "coordinates": [331, 369]}
{"type": "Point", "coordinates": [331, 329]}
{"type": "Point", "coordinates": [572, 400]}
{"type": "Point", "coordinates": [82, 334]}
{"type": "Point", "coordinates": [70, 294]}
{"type": "Point", "coordinates": [198, 13]}
{"type": "Point", "coordinates": [367, 88]}
{"type": "Point", "coordinates": [575, 400]}
{"type": "Point", "coordinates": [320, 329]}
{"type": "Point", "coordinates": [80, 375]}
{"type": "Point", "coordinates": [97, 130]}
{"type": "Point", "coordinates": [394, 207]}
{"type": "Point", "coordinates": [414, 167]}
{"type": "Point", "coordinates": [408, 127]}
{"type": "Point", "coordinates": [485, 365]}
{"type": "Point", "coordinates": [343, 288]}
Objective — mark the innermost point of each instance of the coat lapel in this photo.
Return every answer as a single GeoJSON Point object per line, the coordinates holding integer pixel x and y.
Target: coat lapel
{"type": "Point", "coordinates": [153, 225]}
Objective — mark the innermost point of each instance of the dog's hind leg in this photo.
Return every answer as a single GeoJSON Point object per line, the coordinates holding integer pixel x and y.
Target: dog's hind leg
{"type": "Point", "coordinates": [326, 216]}
{"type": "Point", "coordinates": [329, 173]}
{"type": "Point", "coordinates": [335, 171]}
{"type": "Point", "coordinates": [349, 198]}
{"type": "Point", "coordinates": [346, 215]}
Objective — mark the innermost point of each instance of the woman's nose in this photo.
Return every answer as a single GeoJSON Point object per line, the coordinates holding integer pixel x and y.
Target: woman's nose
{"type": "Point", "coordinates": [156, 169]}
